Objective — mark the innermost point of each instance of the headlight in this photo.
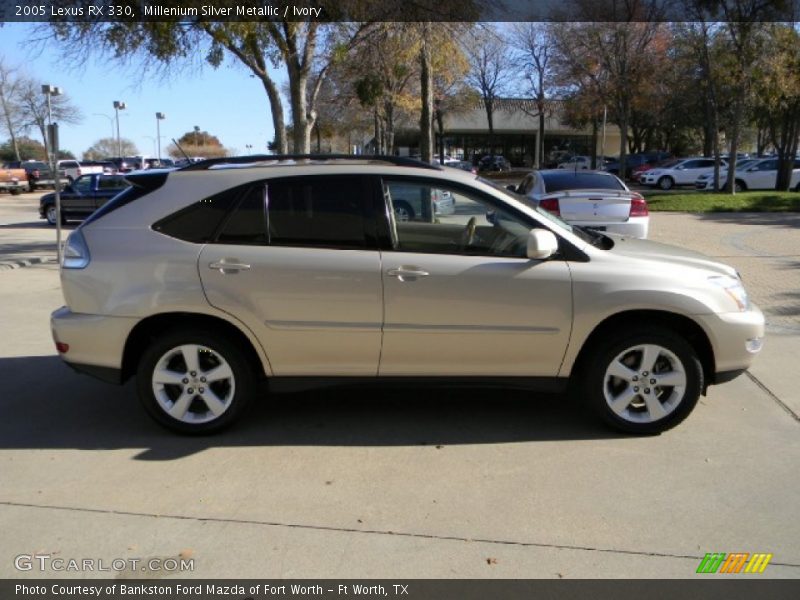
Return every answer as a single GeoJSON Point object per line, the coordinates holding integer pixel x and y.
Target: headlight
{"type": "Point", "coordinates": [734, 288]}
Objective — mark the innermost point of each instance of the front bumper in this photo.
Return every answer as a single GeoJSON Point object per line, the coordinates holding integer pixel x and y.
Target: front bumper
{"type": "Point", "coordinates": [736, 339]}
{"type": "Point", "coordinates": [95, 344]}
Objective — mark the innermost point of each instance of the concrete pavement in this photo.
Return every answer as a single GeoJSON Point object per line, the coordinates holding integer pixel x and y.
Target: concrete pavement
{"type": "Point", "coordinates": [392, 483]}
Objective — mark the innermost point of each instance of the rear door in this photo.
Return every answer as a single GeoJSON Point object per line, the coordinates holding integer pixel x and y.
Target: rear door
{"type": "Point", "coordinates": [764, 175]}
{"type": "Point", "coordinates": [297, 263]}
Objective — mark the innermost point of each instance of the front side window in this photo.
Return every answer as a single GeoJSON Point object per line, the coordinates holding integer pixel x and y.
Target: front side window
{"type": "Point", "coordinates": [82, 185]}
{"type": "Point", "coordinates": [450, 221]}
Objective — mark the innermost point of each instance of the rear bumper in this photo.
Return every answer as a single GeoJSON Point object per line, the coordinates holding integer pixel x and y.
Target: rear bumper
{"type": "Point", "coordinates": [636, 227]}
{"type": "Point", "coordinates": [96, 343]}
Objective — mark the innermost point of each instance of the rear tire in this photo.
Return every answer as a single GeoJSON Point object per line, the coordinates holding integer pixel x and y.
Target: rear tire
{"type": "Point", "coordinates": [666, 183]}
{"type": "Point", "coordinates": [15, 192]}
{"type": "Point", "coordinates": [739, 186]}
{"type": "Point", "coordinates": [643, 382]}
{"type": "Point", "coordinates": [403, 211]}
{"type": "Point", "coordinates": [195, 381]}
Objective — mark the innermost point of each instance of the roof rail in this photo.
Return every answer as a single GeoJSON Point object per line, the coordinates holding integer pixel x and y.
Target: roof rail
{"type": "Point", "coordinates": [400, 161]}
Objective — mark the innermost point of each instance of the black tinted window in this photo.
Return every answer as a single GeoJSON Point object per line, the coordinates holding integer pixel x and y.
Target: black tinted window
{"type": "Point", "coordinates": [199, 222]}
{"type": "Point", "coordinates": [570, 180]}
{"type": "Point", "coordinates": [316, 211]}
{"type": "Point", "coordinates": [247, 223]}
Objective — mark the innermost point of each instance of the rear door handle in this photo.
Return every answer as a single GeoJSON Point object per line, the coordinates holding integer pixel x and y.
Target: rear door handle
{"type": "Point", "coordinates": [228, 265]}
{"type": "Point", "coordinates": [407, 273]}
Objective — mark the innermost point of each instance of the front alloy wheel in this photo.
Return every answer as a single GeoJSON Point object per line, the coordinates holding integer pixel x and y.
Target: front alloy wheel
{"type": "Point", "coordinates": [193, 383]}
{"type": "Point", "coordinates": [666, 183]}
{"type": "Point", "coordinates": [645, 383]}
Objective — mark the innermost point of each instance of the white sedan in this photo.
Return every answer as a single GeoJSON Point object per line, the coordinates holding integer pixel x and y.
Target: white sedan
{"type": "Point", "coordinates": [681, 171]}
{"type": "Point", "coordinates": [592, 199]}
{"type": "Point", "coordinates": [751, 174]}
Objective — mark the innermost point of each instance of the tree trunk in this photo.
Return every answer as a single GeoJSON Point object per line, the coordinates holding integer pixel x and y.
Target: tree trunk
{"type": "Point", "coordinates": [9, 124]}
{"type": "Point", "coordinates": [490, 119]}
{"type": "Point", "coordinates": [540, 134]}
{"type": "Point", "coordinates": [623, 139]}
{"type": "Point", "coordinates": [426, 81]}
{"type": "Point", "coordinates": [440, 125]}
{"type": "Point", "coordinates": [738, 109]}
{"type": "Point", "coordinates": [389, 111]}
{"type": "Point", "coordinates": [593, 150]}
{"type": "Point", "coordinates": [301, 125]}
{"type": "Point", "coordinates": [278, 123]}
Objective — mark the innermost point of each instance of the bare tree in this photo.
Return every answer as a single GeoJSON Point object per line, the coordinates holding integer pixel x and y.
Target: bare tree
{"type": "Point", "coordinates": [34, 109]}
{"type": "Point", "coordinates": [10, 105]}
{"type": "Point", "coordinates": [490, 71]}
{"type": "Point", "coordinates": [107, 147]}
{"type": "Point", "coordinates": [535, 44]}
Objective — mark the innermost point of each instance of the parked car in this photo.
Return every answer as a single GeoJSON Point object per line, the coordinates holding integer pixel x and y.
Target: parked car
{"type": "Point", "coordinates": [594, 199]}
{"type": "Point", "coordinates": [415, 203]}
{"type": "Point", "coordinates": [12, 179]}
{"type": "Point", "coordinates": [576, 162]}
{"type": "Point", "coordinates": [636, 161]}
{"type": "Point", "coordinates": [493, 163]}
{"type": "Point", "coordinates": [82, 197]}
{"type": "Point", "coordinates": [74, 169]}
{"type": "Point", "coordinates": [464, 165]}
{"type": "Point", "coordinates": [203, 281]}
{"type": "Point", "coordinates": [39, 174]}
{"type": "Point", "coordinates": [753, 174]}
{"type": "Point", "coordinates": [679, 171]}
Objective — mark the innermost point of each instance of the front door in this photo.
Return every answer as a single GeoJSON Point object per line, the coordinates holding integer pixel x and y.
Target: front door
{"type": "Point", "coordinates": [462, 298]}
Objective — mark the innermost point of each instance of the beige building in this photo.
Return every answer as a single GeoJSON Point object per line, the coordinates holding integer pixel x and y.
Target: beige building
{"type": "Point", "coordinates": [516, 127]}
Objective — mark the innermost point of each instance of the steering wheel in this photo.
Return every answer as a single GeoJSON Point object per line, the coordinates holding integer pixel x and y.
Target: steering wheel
{"type": "Point", "coordinates": [469, 232]}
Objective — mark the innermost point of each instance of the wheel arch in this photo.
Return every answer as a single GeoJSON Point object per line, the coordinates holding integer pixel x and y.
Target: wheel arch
{"type": "Point", "coordinates": [691, 331]}
{"type": "Point", "coordinates": [149, 328]}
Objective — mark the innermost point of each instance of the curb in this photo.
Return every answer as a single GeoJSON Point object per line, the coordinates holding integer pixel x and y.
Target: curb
{"type": "Point", "coordinates": [19, 263]}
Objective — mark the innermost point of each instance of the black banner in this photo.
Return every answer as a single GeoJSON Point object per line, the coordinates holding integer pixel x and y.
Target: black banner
{"type": "Point", "coordinates": [393, 589]}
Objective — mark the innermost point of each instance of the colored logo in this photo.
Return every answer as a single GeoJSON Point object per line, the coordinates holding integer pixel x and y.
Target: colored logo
{"type": "Point", "coordinates": [737, 562]}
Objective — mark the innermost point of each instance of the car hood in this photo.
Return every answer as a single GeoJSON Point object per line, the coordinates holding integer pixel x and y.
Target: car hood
{"type": "Point", "coordinates": [672, 256]}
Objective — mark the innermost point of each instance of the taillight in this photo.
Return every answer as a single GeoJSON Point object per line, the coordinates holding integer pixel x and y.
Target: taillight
{"type": "Point", "coordinates": [550, 205]}
{"type": "Point", "coordinates": [638, 207]}
{"type": "Point", "coordinates": [76, 252]}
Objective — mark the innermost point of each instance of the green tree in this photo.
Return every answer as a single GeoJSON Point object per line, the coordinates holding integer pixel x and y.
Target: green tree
{"type": "Point", "coordinates": [23, 149]}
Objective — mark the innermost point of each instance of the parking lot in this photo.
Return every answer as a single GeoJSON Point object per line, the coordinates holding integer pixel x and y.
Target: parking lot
{"type": "Point", "coordinates": [401, 483]}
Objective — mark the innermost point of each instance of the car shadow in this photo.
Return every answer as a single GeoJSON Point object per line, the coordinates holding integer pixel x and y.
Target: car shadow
{"type": "Point", "coordinates": [48, 406]}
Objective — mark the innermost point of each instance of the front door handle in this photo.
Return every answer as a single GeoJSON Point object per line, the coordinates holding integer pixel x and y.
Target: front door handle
{"type": "Point", "coordinates": [229, 266]}
{"type": "Point", "coordinates": [407, 273]}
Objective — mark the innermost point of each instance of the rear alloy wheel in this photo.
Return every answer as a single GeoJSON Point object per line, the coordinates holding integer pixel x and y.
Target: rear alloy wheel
{"type": "Point", "coordinates": [195, 382]}
{"type": "Point", "coordinates": [666, 183]}
{"type": "Point", "coordinates": [403, 211]}
{"type": "Point", "coordinates": [644, 383]}
{"type": "Point", "coordinates": [52, 216]}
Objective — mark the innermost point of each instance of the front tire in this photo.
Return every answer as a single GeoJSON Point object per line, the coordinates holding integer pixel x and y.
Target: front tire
{"type": "Point", "coordinates": [645, 382]}
{"type": "Point", "coordinates": [666, 183]}
{"type": "Point", "coordinates": [195, 381]}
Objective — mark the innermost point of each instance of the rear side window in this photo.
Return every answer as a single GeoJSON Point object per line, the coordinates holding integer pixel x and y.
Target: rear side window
{"type": "Point", "coordinates": [316, 211]}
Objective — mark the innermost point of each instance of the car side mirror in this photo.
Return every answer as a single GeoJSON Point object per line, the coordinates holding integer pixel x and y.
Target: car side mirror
{"type": "Point", "coordinates": [541, 244]}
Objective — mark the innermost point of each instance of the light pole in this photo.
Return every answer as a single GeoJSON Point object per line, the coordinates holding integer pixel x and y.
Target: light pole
{"type": "Point", "coordinates": [249, 148]}
{"type": "Point", "coordinates": [159, 117]}
{"type": "Point", "coordinates": [49, 91]}
{"type": "Point", "coordinates": [118, 106]}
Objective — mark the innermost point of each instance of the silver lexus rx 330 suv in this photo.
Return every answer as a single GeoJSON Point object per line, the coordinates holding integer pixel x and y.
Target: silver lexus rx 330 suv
{"type": "Point", "coordinates": [203, 281]}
